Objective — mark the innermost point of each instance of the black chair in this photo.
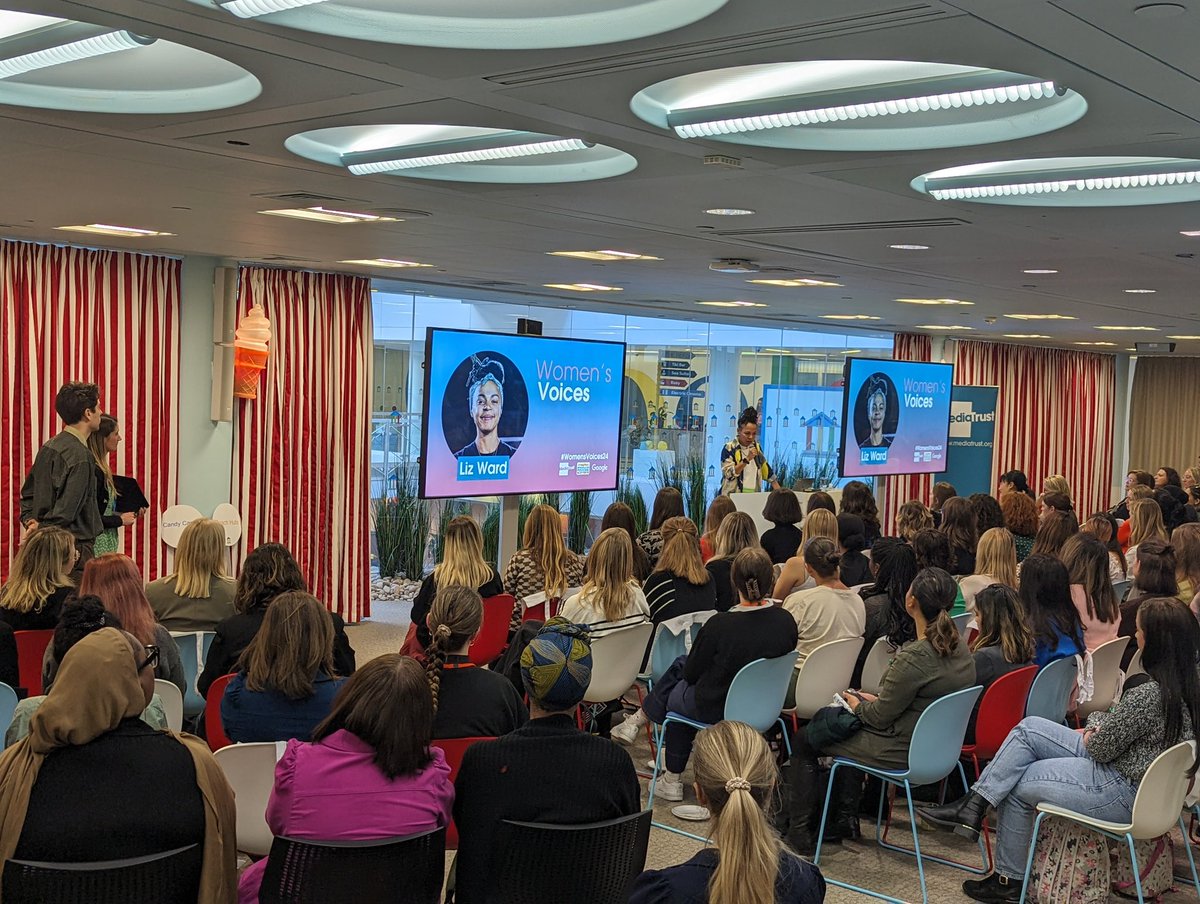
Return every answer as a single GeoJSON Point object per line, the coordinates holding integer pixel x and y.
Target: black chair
{"type": "Point", "coordinates": [599, 861]}
{"type": "Point", "coordinates": [172, 877]}
{"type": "Point", "coordinates": [406, 870]}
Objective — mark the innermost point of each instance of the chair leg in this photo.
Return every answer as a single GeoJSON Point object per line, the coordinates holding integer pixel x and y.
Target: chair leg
{"type": "Point", "coordinates": [824, 813]}
{"type": "Point", "coordinates": [787, 742]}
{"type": "Point", "coordinates": [1191, 859]}
{"type": "Point", "coordinates": [1137, 879]}
{"type": "Point", "coordinates": [984, 851]}
{"type": "Point", "coordinates": [1037, 828]}
{"type": "Point", "coordinates": [650, 798]}
{"type": "Point", "coordinates": [916, 841]}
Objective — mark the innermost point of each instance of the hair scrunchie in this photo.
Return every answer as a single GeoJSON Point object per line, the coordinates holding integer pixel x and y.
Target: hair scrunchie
{"type": "Point", "coordinates": [737, 783]}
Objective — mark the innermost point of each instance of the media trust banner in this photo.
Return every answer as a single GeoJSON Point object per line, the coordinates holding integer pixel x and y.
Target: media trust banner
{"type": "Point", "coordinates": [972, 439]}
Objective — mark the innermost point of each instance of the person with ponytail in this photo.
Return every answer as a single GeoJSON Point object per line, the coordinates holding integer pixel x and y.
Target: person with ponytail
{"type": "Point", "coordinates": [746, 862]}
{"type": "Point", "coordinates": [936, 664]}
{"type": "Point", "coordinates": [468, 702]}
{"type": "Point", "coordinates": [744, 467]}
{"type": "Point", "coordinates": [1153, 575]}
{"type": "Point", "coordinates": [1014, 482]}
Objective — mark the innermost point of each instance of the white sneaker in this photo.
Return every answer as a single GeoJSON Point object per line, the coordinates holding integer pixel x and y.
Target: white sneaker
{"type": "Point", "coordinates": [668, 787]}
{"type": "Point", "coordinates": [627, 732]}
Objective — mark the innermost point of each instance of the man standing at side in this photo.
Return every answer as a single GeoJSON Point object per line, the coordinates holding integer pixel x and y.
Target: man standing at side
{"type": "Point", "coordinates": [60, 490]}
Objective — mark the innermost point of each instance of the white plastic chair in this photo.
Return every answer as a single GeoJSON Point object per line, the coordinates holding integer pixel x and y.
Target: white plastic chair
{"type": "Point", "coordinates": [1135, 666]}
{"type": "Point", "coordinates": [250, 770]}
{"type": "Point", "coordinates": [172, 701]}
{"type": "Point", "coordinates": [826, 671]}
{"type": "Point", "coordinates": [616, 661]}
{"type": "Point", "coordinates": [1106, 675]}
{"type": "Point", "coordinates": [1155, 810]}
{"type": "Point", "coordinates": [876, 664]}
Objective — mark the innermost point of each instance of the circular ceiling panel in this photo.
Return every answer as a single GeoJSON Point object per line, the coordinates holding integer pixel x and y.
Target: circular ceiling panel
{"type": "Point", "coordinates": [60, 64]}
{"type": "Point", "coordinates": [461, 154]}
{"type": "Point", "coordinates": [858, 105]}
{"type": "Point", "coordinates": [478, 24]}
{"type": "Point", "coordinates": [1068, 182]}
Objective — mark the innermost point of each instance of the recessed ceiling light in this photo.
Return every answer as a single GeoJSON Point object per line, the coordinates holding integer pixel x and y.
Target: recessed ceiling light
{"type": "Point", "coordinates": [934, 301]}
{"type": "Point", "coordinates": [733, 304]}
{"type": "Point", "coordinates": [605, 255]}
{"type": "Point", "coordinates": [1039, 316]}
{"type": "Point", "coordinates": [729, 211]}
{"type": "Point", "coordinates": [793, 283]}
{"type": "Point", "coordinates": [1130, 329]}
{"type": "Point", "coordinates": [1109, 344]}
{"type": "Point", "coordinates": [1191, 233]}
{"type": "Point", "coordinates": [850, 317]}
{"type": "Point", "coordinates": [328, 215]}
{"type": "Point", "coordinates": [104, 229]}
{"type": "Point", "coordinates": [582, 287]}
{"type": "Point", "coordinates": [940, 328]}
{"type": "Point", "coordinates": [1025, 336]}
{"type": "Point", "coordinates": [1039, 272]}
{"type": "Point", "coordinates": [386, 262]}
{"type": "Point", "coordinates": [852, 351]}
{"type": "Point", "coordinates": [1140, 291]}
{"type": "Point", "coordinates": [910, 247]}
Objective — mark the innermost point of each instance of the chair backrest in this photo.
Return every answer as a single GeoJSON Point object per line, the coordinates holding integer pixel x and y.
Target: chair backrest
{"type": "Point", "coordinates": [493, 633]}
{"type": "Point", "coordinates": [826, 671]}
{"type": "Point", "coordinates": [1161, 792]}
{"type": "Point", "coordinates": [669, 645]}
{"type": "Point", "coordinates": [8, 706]}
{"type": "Point", "coordinates": [406, 870]}
{"type": "Point", "coordinates": [758, 690]}
{"type": "Point", "coordinates": [1135, 666]}
{"type": "Point", "coordinates": [193, 651]}
{"type": "Point", "coordinates": [214, 728]}
{"type": "Point", "coordinates": [1049, 696]}
{"type": "Point", "coordinates": [172, 701]}
{"type": "Point", "coordinates": [876, 665]}
{"type": "Point", "coordinates": [31, 648]}
{"type": "Point", "coordinates": [938, 736]}
{"type": "Point", "coordinates": [1121, 589]}
{"type": "Point", "coordinates": [453, 749]}
{"type": "Point", "coordinates": [616, 661]}
{"type": "Point", "coordinates": [961, 622]}
{"type": "Point", "coordinates": [602, 859]}
{"type": "Point", "coordinates": [172, 877]}
{"type": "Point", "coordinates": [1002, 707]}
{"type": "Point", "coordinates": [250, 771]}
{"type": "Point", "coordinates": [1106, 674]}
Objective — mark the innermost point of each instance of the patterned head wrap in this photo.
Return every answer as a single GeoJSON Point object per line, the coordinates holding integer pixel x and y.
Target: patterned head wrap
{"type": "Point", "coordinates": [556, 667]}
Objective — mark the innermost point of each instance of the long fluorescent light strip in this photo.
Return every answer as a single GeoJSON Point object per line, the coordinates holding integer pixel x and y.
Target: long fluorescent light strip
{"type": "Point", "coordinates": [105, 229]}
{"type": "Point", "coordinates": [251, 9]}
{"type": "Point", "coordinates": [1056, 186]}
{"type": "Point", "coordinates": [482, 155]}
{"type": "Point", "coordinates": [73, 52]}
{"type": "Point", "coordinates": [845, 112]}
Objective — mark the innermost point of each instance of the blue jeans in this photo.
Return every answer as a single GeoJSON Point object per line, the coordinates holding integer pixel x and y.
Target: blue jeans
{"type": "Point", "coordinates": [1044, 762]}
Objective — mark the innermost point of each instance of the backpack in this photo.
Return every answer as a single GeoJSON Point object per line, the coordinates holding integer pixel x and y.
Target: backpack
{"type": "Point", "coordinates": [1071, 865]}
{"type": "Point", "coordinates": [1156, 864]}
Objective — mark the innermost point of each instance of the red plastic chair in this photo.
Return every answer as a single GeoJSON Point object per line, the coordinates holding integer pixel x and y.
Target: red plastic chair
{"type": "Point", "coordinates": [493, 633]}
{"type": "Point", "coordinates": [214, 729]}
{"type": "Point", "coordinates": [1002, 707]}
{"type": "Point", "coordinates": [454, 748]}
{"type": "Point", "coordinates": [539, 612]}
{"type": "Point", "coordinates": [31, 648]}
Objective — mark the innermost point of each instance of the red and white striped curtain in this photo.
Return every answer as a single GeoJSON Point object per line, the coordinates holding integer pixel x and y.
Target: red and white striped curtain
{"type": "Point", "coordinates": [301, 472]}
{"type": "Point", "coordinates": [898, 490]}
{"type": "Point", "coordinates": [106, 317]}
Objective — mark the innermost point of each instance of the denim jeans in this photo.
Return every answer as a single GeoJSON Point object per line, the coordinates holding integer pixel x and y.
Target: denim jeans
{"type": "Point", "coordinates": [672, 694]}
{"type": "Point", "coordinates": [1044, 762]}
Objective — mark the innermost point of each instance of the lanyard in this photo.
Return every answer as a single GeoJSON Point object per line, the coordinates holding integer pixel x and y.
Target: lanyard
{"type": "Point", "coordinates": [459, 665]}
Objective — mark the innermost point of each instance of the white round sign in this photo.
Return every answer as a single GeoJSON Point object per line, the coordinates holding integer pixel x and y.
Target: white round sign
{"type": "Point", "coordinates": [172, 522]}
{"type": "Point", "coordinates": [229, 518]}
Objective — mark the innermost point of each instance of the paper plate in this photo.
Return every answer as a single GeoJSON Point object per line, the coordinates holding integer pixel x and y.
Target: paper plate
{"type": "Point", "coordinates": [691, 812]}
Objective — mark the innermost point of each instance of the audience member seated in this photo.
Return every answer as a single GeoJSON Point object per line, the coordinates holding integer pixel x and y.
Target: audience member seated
{"type": "Point", "coordinates": [1153, 575]}
{"type": "Point", "coordinates": [680, 584]}
{"type": "Point", "coordinates": [1103, 527]}
{"type": "Point", "coordinates": [855, 567]}
{"type": "Point", "coordinates": [468, 702]}
{"type": "Point", "coordinates": [895, 566]}
{"type": "Point", "coordinates": [369, 771]}
{"type": "Point", "coordinates": [794, 576]}
{"type": "Point", "coordinates": [1021, 518]}
{"type": "Point", "coordinates": [1014, 482]}
{"type": "Point", "coordinates": [115, 580]}
{"type": "Point", "coordinates": [1094, 771]}
{"type": "Point", "coordinates": [1186, 540]}
{"type": "Point", "coordinates": [745, 863]}
{"type": "Point", "coordinates": [543, 564]}
{"type": "Point", "coordinates": [943, 492]}
{"type": "Point", "coordinates": [1145, 523]}
{"type": "Point", "coordinates": [923, 671]}
{"type": "Point", "coordinates": [1045, 593]}
{"type": "Point", "coordinates": [1004, 642]}
{"type": "Point", "coordinates": [93, 782]}
{"type": "Point", "coordinates": [717, 510]}
{"type": "Point", "coordinates": [819, 499]}
{"type": "Point", "coordinates": [286, 681]}
{"type": "Point", "coordinates": [1054, 531]}
{"type": "Point", "coordinates": [857, 499]}
{"type": "Point", "coordinates": [1054, 502]}
{"type": "Point", "coordinates": [39, 581]}
{"type": "Point", "coordinates": [268, 571]}
{"type": "Point", "coordinates": [621, 515]}
{"type": "Point", "coordinates": [80, 617]}
{"type": "Point", "coordinates": [1057, 483]}
{"type": "Point", "coordinates": [958, 524]}
{"type": "Point", "coordinates": [513, 777]}
{"type": "Point", "coordinates": [610, 597]}
{"type": "Point", "coordinates": [1132, 493]}
{"type": "Point", "coordinates": [1092, 593]}
{"type": "Point", "coordinates": [932, 548]}
{"type": "Point", "coordinates": [462, 565]}
{"type": "Point", "coordinates": [197, 594]}
{"type": "Point", "coordinates": [696, 685]}
{"type": "Point", "coordinates": [995, 563]}
{"type": "Point", "coordinates": [988, 513]}
{"type": "Point", "coordinates": [668, 503]}
{"type": "Point", "coordinates": [914, 516]}
{"type": "Point", "coordinates": [1135, 478]}
{"type": "Point", "coordinates": [737, 532]}
{"type": "Point", "coordinates": [783, 510]}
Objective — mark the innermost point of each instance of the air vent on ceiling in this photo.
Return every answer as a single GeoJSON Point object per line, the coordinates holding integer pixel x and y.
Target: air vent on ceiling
{"type": "Point", "coordinates": [759, 41]}
{"type": "Point", "coordinates": [305, 198]}
{"type": "Point", "coordinates": [278, 258]}
{"type": "Point", "coordinates": [907, 225]}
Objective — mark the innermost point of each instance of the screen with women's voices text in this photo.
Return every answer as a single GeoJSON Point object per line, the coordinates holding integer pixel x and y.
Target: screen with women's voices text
{"type": "Point", "coordinates": [519, 414]}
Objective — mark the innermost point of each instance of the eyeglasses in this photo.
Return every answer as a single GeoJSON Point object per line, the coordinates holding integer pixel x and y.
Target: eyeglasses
{"type": "Point", "coordinates": [151, 657]}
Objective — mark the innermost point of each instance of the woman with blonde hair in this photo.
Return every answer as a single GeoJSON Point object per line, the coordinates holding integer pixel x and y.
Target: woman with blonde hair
{"type": "Point", "coordinates": [1186, 540]}
{"type": "Point", "coordinates": [680, 583]}
{"type": "Point", "coordinates": [1056, 483]}
{"type": "Point", "coordinates": [913, 516]}
{"type": "Point", "coordinates": [543, 564]}
{"type": "Point", "coordinates": [1086, 559]}
{"type": "Point", "coordinates": [39, 582]}
{"type": "Point", "coordinates": [995, 563]}
{"type": "Point", "coordinates": [462, 565]}
{"type": "Point", "coordinates": [737, 532]}
{"type": "Point", "coordinates": [794, 576]}
{"type": "Point", "coordinates": [1145, 523]}
{"type": "Point", "coordinates": [718, 509]}
{"type": "Point", "coordinates": [747, 862]}
{"type": "Point", "coordinates": [621, 515]}
{"type": "Point", "coordinates": [197, 594]}
{"type": "Point", "coordinates": [609, 594]}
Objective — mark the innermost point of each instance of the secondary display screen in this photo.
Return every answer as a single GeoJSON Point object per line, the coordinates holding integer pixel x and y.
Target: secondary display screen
{"type": "Point", "coordinates": [895, 417]}
{"type": "Point", "coordinates": [519, 414]}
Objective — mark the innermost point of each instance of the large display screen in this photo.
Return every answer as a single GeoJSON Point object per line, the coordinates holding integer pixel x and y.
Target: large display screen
{"type": "Point", "coordinates": [519, 414]}
{"type": "Point", "coordinates": [895, 417]}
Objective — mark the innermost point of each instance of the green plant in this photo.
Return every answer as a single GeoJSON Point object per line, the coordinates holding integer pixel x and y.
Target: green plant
{"type": "Point", "coordinates": [402, 530]}
{"type": "Point", "coordinates": [386, 515]}
{"type": "Point", "coordinates": [820, 467]}
{"type": "Point", "coordinates": [695, 492]}
{"type": "Point", "coordinates": [629, 493]}
{"type": "Point", "coordinates": [579, 517]}
{"type": "Point", "coordinates": [787, 471]}
{"type": "Point", "coordinates": [491, 535]}
{"type": "Point", "coordinates": [667, 475]}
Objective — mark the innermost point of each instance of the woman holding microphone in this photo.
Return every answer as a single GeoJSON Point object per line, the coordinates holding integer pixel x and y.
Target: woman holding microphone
{"type": "Point", "coordinates": [744, 467]}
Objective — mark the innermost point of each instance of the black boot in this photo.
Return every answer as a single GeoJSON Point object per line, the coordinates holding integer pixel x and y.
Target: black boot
{"type": "Point", "coordinates": [842, 824]}
{"type": "Point", "coordinates": [963, 817]}
{"type": "Point", "coordinates": [805, 788]}
{"type": "Point", "coordinates": [995, 889]}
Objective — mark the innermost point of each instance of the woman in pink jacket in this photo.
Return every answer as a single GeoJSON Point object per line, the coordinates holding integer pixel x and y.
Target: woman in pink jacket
{"type": "Point", "coordinates": [369, 771]}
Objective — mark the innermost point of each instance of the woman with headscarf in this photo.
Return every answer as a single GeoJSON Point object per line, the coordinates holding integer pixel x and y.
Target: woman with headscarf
{"type": "Point", "coordinates": [485, 402]}
{"type": "Point", "coordinates": [92, 782]}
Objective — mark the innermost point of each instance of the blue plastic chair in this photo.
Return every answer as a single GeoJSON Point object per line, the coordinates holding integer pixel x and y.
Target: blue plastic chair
{"type": "Point", "coordinates": [193, 651]}
{"type": "Point", "coordinates": [1049, 697]}
{"type": "Point", "coordinates": [8, 706]}
{"type": "Point", "coordinates": [665, 648]}
{"type": "Point", "coordinates": [756, 698]}
{"type": "Point", "coordinates": [932, 755]}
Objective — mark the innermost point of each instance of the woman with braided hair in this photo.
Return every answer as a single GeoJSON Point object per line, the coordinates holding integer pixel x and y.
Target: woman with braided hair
{"type": "Point", "coordinates": [485, 402]}
{"type": "Point", "coordinates": [468, 702]}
